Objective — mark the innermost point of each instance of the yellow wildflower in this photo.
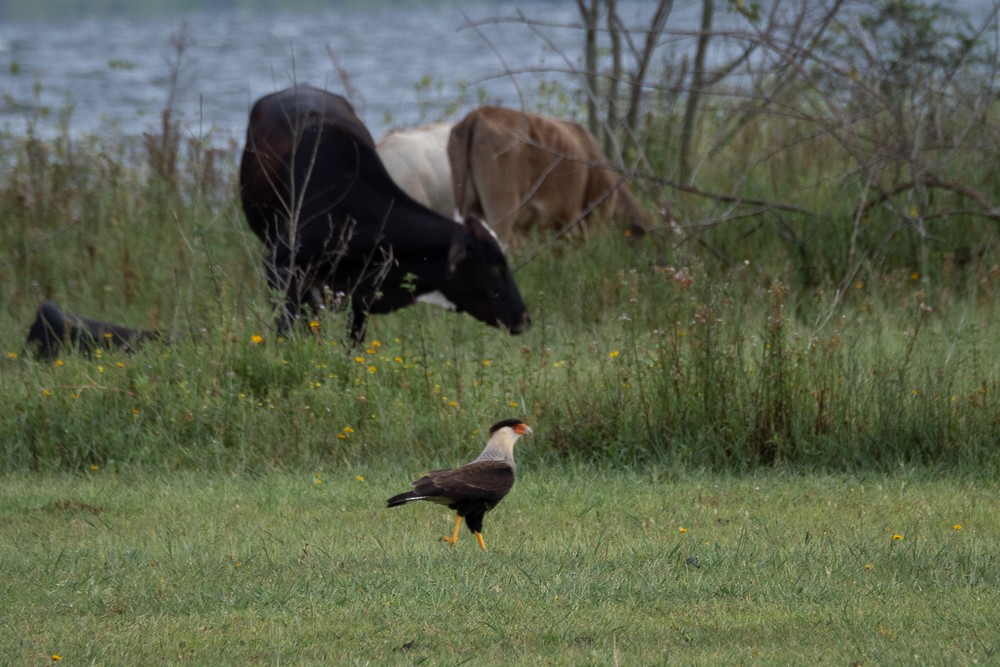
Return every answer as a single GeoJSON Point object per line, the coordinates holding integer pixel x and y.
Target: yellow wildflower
{"type": "Point", "coordinates": [360, 478]}
{"type": "Point", "coordinates": [682, 529]}
{"type": "Point", "coordinates": [957, 526]}
{"type": "Point", "coordinates": [897, 537]}
{"type": "Point", "coordinates": [614, 353]}
{"type": "Point", "coordinates": [256, 339]}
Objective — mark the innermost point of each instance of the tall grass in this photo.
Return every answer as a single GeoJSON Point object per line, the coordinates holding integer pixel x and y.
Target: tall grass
{"type": "Point", "coordinates": [656, 352]}
{"type": "Point", "coordinates": [819, 200]}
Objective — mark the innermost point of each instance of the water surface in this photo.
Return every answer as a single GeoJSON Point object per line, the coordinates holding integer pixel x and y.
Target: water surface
{"type": "Point", "coordinates": [113, 74]}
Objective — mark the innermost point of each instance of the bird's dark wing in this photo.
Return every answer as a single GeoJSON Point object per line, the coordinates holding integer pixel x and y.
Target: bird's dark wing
{"type": "Point", "coordinates": [479, 479]}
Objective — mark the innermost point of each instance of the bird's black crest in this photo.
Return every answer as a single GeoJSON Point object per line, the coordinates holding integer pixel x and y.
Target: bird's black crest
{"type": "Point", "coordinates": [506, 422]}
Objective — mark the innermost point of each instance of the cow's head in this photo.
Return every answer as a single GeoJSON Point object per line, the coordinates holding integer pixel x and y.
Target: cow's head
{"type": "Point", "coordinates": [480, 281]}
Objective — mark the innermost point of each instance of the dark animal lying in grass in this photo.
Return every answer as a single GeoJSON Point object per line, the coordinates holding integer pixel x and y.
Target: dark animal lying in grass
{"type": "Point", "coordinates": [53, 330]}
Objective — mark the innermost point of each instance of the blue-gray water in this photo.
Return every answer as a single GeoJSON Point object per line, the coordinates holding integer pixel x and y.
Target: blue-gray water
{"type": "Point", "coordinates": [113, 73]}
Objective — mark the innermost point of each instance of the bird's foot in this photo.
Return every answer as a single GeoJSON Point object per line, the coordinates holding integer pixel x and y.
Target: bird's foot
{"type": "Point", "coordinates": [450, 540]}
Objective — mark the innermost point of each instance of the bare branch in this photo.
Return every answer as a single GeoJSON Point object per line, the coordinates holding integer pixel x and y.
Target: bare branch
{"type": "Point", "coordinates": [657, 23]}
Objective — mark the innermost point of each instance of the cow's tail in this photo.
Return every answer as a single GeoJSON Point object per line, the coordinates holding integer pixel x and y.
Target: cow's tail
{"type": "Point", "coordinates": [463, 181]}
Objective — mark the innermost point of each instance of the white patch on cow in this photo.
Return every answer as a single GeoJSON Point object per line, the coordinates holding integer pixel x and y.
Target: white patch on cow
{"type": "Point", "coordinates": [417, 160]}
{"type": "Point", "coordinates": [435, 298]}
{"type": "Point", "coordinates": [493, 234]}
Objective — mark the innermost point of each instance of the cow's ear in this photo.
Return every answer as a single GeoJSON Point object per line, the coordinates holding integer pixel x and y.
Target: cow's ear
{"type": "Point", "coordinates": [459, 249]}
{"type": "Point", "coordinates": [480, 230]}
{"type": "Point", "coordinates": [475, 226]}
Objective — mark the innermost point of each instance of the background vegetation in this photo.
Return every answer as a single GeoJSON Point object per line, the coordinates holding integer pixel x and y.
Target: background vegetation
{"type": "Point", "coordinates": [818, 289]}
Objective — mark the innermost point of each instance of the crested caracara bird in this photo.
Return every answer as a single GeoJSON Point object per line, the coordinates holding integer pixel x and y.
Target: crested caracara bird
{"type": "Point", "coordinates": [475, 488]}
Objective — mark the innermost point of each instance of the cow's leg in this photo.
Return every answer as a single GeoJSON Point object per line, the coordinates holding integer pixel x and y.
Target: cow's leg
{"type": "Point", "coordinates": [365, 301]}
{"type": "Point", "coordinates": [359, 317]}
{"type": "Point", "coordinates": [315, 297]}
{"type": "Point", "coordinates": [282, 280]}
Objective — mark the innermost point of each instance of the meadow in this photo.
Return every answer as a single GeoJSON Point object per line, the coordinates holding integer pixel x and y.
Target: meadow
{"type": "Point", "coordinates": [727, 467]}
{"type": "Point", "coordinates": [586, 566]}
{"type": "Point", "coordinates": [766, 433]}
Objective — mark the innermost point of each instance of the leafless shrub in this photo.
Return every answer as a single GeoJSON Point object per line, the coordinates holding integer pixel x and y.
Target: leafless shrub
{"type": "Point", "coordinates": [847, 131]}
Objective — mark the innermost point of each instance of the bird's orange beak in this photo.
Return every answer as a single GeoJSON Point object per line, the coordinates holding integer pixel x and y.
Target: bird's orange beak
{"type": "Point", "coordinates": [522, 429]}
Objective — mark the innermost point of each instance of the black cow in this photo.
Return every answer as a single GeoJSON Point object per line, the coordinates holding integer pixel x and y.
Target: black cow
{"type": "Point", "coordinates": [316, 193]}
{"type": "Point", "coordinates": [53, 329]}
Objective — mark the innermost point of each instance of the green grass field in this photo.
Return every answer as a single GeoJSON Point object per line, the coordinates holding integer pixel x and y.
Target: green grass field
{"type": "Point", "coordinates": [585, 566]}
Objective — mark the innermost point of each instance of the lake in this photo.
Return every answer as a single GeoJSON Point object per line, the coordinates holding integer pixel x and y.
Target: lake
{"type": "Point", "coordinates": [112, 75]}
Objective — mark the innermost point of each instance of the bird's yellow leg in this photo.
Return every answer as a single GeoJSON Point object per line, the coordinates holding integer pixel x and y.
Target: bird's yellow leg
{"type": "Point", "coordinates": [479, 538]}
{"type": "Point", "coordinates": [454, 533]}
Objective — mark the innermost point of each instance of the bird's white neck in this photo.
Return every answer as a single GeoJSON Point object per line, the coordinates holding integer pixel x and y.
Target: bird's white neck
{"type": "Point", "coordinates": [500, 446]}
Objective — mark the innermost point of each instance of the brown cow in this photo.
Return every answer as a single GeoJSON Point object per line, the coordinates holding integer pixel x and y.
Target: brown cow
{"type": "Point", "coordinates": [520, 170]}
